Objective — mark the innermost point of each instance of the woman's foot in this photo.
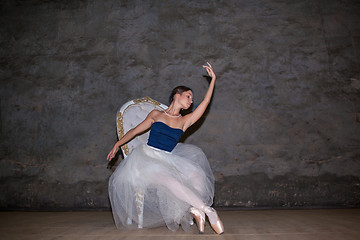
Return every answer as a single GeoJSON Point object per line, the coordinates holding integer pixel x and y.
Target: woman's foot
{"type": "Point", "coordinates": [214, 219]}
{"type": "Point", "coordinates": [199, 218]}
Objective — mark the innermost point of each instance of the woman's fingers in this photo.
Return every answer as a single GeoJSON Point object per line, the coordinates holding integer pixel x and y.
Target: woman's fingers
{"type": "Point", "coordinates": [208, 66]}
{"type": "Point", "coordinates": [209, 69]}
{"type": "Point", "coordinates": [110, 155]}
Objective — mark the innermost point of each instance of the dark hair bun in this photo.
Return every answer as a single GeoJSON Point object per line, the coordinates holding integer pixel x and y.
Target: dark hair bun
{"type": "Point", "coordinates": [178, 89]}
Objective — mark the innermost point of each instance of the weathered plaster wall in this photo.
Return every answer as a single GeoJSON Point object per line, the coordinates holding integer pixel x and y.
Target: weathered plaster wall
{"type": "Point", "coordinates": [283, 128]}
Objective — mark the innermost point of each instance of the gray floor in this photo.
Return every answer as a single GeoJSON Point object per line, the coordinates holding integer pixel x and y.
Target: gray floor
{"type": "Point", "coordinates": [250, 224]}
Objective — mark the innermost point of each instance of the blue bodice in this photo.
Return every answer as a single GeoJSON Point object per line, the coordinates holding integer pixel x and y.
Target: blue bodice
{"type": "Point", "coordinates": [164, 137]}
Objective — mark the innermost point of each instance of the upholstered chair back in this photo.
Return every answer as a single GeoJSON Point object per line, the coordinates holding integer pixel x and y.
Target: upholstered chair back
{"type": "Point", "coordinates": [130, 115]}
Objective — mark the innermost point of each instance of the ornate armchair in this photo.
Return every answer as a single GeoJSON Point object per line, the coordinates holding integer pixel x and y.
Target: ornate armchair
{"type": "Point", "coordinates": [129, 116]}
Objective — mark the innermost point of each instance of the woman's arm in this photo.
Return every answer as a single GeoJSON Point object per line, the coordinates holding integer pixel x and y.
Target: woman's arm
{"type": "Point", "coordinates": [193, 117]}
{"type": "Point", "coordinates": [142, 127]}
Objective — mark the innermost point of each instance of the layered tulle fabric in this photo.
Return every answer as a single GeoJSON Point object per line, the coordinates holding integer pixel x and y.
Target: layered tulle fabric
{"type": "Point", "coordinates": [168, 181]}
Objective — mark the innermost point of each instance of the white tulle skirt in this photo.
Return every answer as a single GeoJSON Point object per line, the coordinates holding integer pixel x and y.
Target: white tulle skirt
{"type": "Point", "coordinates": [167, 182]}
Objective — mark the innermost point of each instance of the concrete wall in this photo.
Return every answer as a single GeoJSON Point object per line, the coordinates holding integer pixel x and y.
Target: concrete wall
{"type": "Point", "coordinates": [283, 128]}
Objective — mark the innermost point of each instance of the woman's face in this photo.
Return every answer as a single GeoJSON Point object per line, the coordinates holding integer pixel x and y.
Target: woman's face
{"type": "Point", "coordinates": [186, 99]}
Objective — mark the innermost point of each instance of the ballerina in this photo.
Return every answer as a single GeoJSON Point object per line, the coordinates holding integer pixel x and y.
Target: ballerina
{"type": "Point", "coordinates": [175, 178]}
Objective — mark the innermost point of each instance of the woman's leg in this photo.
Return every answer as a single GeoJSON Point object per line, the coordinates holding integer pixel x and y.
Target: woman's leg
{"type": "Point", "coordinates": [180, 191]}
{"type": "Point", "coordinates": [198, 181]}
{"type": "Point", "coordinates": [185, 194]}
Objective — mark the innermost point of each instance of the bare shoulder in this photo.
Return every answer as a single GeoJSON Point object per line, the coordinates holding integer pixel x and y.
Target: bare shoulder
{"type": "Point", "coordinates": [150, 118]}
{"type": "Point", "coordinates": [154, 114]}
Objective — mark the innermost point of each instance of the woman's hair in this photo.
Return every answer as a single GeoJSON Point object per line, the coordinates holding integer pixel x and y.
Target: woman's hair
{"type": "Point", "coordinates": [178, 89]}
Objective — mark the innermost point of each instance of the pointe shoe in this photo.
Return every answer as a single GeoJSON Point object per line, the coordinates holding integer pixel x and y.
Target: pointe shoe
{"type": "Point", "coordinates": [216, 225]}
{"type": "Point", "coordinates": [199, 218]}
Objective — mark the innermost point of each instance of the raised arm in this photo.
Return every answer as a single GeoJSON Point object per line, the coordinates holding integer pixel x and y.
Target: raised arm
{"type": "Point", "coordinates": [142, 127]}
{"type": "Point", "coordinates": [193, 117]}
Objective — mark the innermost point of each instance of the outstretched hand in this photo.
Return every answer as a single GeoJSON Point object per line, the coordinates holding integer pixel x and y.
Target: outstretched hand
{"type": "Point", "coordinates": [112, 153]}
{"type": "Point", "coordinates": [210, 70]}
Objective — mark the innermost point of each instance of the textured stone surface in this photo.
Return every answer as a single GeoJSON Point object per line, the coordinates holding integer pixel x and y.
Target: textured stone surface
{"type": "Point", "coordinates": [283, 128]}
